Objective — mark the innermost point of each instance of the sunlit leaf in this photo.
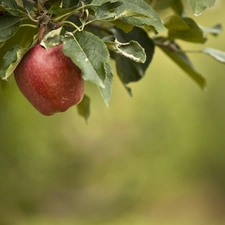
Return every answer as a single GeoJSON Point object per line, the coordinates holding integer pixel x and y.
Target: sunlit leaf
{"type": "Point", "coordinates": [90, 54]}
{"type": "Point", "coordinates": [122, 25]}
{"type": "Point", "coordinates": [176, 5]}
{"type": "Point", "coordinates": [185, 29]}
{"type": "Point", "coordinates": [198, 6]}
{"type": "Point", "coordinates": [215, 53]}
{"type": "Point", "coordinates": [84, 107]}
{"type": "Point", "coordinates": [135, 12]}
{"type": "Point", "coordinates": [215, 30]}
{"type": "Point", "coordinates": [52, 38]}
{"type": "Point", "coordinates": [174, 52]}
{"type": "Point", "coordinates": [11, 60]}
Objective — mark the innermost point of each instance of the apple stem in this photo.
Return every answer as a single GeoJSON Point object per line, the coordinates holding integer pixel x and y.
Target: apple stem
{"type": "Point", "coordinates": [42, 30]}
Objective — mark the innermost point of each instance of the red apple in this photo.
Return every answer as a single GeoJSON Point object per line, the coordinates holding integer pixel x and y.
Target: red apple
{"type": "Point", "coordinates": [49, 80]}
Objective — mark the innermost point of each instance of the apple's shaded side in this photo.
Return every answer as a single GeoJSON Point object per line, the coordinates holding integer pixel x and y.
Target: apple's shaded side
{"type": "Point", "coordinates": [49, 79]}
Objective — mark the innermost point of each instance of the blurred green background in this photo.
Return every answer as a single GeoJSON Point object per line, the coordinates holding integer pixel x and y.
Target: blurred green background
{"type": "Point", "coordinates": [157, 158]}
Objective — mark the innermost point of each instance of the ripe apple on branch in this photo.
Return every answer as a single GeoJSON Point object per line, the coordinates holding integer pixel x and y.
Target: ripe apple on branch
{"type": "Point", "coordinates": [66, 43]}
{"type": "Point", "coordinates": [49, 79]}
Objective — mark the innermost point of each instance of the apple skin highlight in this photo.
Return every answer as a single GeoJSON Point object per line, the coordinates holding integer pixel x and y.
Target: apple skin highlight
{"type": "Point", "coordinates": [49, 80]}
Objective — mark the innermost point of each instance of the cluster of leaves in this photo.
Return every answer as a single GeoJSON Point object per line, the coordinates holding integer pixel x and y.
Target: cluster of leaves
{"type": "Point", "coordinates": [95, 31]}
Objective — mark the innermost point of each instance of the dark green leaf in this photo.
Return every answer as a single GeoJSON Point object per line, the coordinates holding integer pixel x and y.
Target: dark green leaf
{"type": "Point", "coordinates": [198, 6]}
{"type": "Point", "coordinates": [58, 11]}
{"type": "Point", "coordinates": [84, 107]}
{"type": "Point", "coordinates": [185, 29]}
{"type": "Point", "coordinates": [70, 3]}
{"type": "Point", "coordinates": [215, 53]}
{"type": "Point", "coordinates": [128, 70]}
{"type": "Point", "coordinates": [52, 4]}
{"type": "Point", "coordinates": [10, 6]}
{"type": "Point", "coordinates": [1, 44]}
{"type": "Point", "coordinates": [131, 50]}
{"type": "Point", "coordinates": [28, 4]}
{"type": "Point", "coordinates": [11, 60]}
{"type": "Point", "coordinates": [8, 26]}
{"type": "Point", "coordinates": [89, 53]}
{"type": "Point", "coordinates": [174, 52]}
{"type": "Point", "coordinates": [107, 90]}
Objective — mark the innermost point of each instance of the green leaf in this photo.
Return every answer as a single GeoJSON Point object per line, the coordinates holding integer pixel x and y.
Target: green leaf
{"type": "Point", "coordinates": [198, 6]}
{"type": "Point", "coordinates": [160, 4]}
{"type": "Point", "coordinates": [24, 37]}
{"type": "Point", "coordinates": [28, 5]}
{"type": "Point", "coordinates": [176, 22]}
{"type": "Point", "coordinates": [109, 11]}
{"type": "Point", "coordinates": [84, 107]}
{"type": "Point", "coordinates": [58, 11]}
{"type": "Point", "coordinates": [215, 30]}
{"type": "Point", "coordinates": [173, 51]}
{"type": "Point", "coordinates": [122, 25]}
{"type": "Point", "coordinates": [215, 53]}
{"type": "Point", "coordinates": [53, 4]}
{"type": "Point", "coordinates": [10, 6]}
{"type": "Point", "coordinates": [52, 38]}
{"type": "Point", "coordinates": [128, 70]}
{"type": "Point", "coordinates": [131, 50]}
{"type": "Point", "coordinates": [185, 29]}
{"type": "Point", "coordinates": [11, 60]}
{"type": "Point", "coordinates": [176, 5]}
{"type": "Point", "coordinates": [135, 12]}
{"type": "Point", "coordinates": [89, 53]}
{"type": "Point", "coordinates": [107, 90]}
{"type": "Point", "coordinates": [1, 44]}
{"type": "Point", "coordinates": [70, 3]}
{"type": "Point", "coordinates": [8, 26]}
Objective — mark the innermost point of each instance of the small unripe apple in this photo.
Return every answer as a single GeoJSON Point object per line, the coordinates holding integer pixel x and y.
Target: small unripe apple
{"type": "Point", "coordinates": [49, 80]}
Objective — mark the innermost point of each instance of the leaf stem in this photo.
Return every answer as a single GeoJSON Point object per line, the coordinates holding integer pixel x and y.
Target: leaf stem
{"type": "Point", "coordinates": [31, 18]}
{"type": "Point", "coordinates": [70, 23]}
{"type": "Point", "coordinates": [67, 15]}
{"type": "Point", "coordinates": [191, 51]}
{"type": "Point", "coordinates": [39, 6]}
{"type": "Point", "coordinates": [174, 48]}
{"type": "Point", "coordinates": [28, 25]}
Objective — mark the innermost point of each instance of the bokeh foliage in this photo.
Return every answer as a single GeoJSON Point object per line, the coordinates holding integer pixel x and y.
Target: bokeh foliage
{"type": "Point", "coordinates": [157, 158]}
